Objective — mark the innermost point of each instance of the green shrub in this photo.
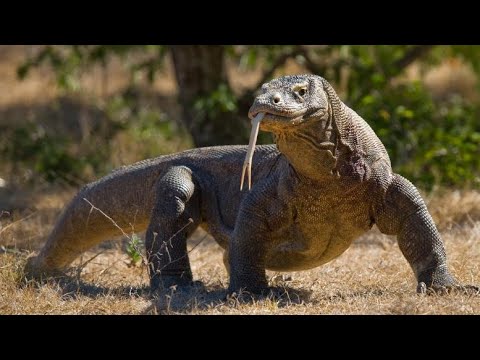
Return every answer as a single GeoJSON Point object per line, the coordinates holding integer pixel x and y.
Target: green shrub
{"type": "Point", "coordinates": [46, 154]}
{"type": "Point", "coordinates": [427, 142]}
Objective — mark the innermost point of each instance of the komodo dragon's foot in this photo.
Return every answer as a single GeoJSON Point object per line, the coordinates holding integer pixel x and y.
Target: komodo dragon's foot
{"type": "Point", "coordinates": [439, 281]}
{"type": "Point", "coordinates": [248, 296]}
{"type": "Point", "coordinates": [259, 290]}
{"type": "Point", "coordinates": [33, 270]}
{"type": "Point", "coordinates": [177, 297]}
{"type": "Point", "coordinates": [251, 291]}
{"type": "Point", "coordinates": [165, 282]}
{"type": "Point", "coordinates": [455, 288]}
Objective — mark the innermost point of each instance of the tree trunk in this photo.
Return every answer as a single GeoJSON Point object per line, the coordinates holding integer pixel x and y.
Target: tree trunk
{"type": "Point", "coordinates": [199, 70]}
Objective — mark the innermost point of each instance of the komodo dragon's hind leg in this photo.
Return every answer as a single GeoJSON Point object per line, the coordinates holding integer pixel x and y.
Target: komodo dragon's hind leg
{"type": "Point", "coordinates": [174, 217]}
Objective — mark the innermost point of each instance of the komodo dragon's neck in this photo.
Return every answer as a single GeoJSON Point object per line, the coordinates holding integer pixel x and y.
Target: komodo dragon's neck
{"type": "Point", "coordinates": [319, 135]}
{"type": "Point", "coordinates": [311, 149]}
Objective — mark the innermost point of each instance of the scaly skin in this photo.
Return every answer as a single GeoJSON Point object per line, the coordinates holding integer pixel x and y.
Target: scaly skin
{"type": "Point", "coordinates": [325, 183]}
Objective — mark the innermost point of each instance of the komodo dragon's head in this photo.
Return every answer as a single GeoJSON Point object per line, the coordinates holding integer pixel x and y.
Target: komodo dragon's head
{"type": "Point", "coordinates": [289, 101]}
{"type": "Point", "coordinates": [286, 103]}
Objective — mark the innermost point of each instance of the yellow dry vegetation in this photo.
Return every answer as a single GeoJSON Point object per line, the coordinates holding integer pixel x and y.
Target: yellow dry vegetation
{"type": "Point", "coordinates": [372, 277]}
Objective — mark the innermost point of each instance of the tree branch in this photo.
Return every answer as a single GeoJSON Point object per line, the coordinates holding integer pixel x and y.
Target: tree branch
{"type": "Point", "coordinates": [279, 62]}
{"type": "Point", "coordinates": [245, 100]}
{"type": "Point", "coordinates": [312, 66]}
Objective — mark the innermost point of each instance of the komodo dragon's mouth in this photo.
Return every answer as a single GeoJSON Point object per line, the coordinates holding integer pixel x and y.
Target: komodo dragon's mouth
{"type": "Point", "coordinates": [257, 117]}
{"type": "Point", "coordinates": [272, 116]}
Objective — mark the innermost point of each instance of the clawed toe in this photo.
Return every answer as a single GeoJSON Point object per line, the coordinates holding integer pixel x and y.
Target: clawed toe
{"type": "Point", "coordinates": [448, 289]}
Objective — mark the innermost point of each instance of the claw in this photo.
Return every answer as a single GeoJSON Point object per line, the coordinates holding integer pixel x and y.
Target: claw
{"type": "Point", "coordinates": [247, 164]}
{"type": "Point", "coordinates": [447, 289]}
{"type": "Point", "coordinates": [421, 288]}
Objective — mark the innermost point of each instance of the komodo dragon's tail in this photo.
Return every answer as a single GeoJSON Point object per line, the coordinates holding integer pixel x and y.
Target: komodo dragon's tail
{"type": "Point", "coordinates": [117, 204]}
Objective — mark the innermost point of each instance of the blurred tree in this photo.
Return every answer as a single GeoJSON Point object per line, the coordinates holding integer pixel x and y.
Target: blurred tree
{"type": "Point", "coordinates": [211, 112]}
{"type": "Point", "coordinates": [209, 106]}
{"type": "Point", "coordinates": [429, 142]}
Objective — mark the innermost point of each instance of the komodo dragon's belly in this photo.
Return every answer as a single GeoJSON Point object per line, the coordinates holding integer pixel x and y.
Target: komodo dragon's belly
{"type": "Point", "coordinates": [321, 231]}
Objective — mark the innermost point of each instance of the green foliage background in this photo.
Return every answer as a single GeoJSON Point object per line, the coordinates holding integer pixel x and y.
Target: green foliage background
{"type": "Point", "coordinates": [432, 142]}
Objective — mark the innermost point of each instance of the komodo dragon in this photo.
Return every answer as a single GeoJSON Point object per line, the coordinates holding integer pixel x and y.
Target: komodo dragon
{"type": "Point", "coordinates": [327, 180]}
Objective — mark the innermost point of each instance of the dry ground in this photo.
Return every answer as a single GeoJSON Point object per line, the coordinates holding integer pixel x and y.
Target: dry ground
{"type": "Point", "coordinates": [372, 277]}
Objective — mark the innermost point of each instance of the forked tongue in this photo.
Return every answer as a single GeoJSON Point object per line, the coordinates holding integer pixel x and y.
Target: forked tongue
{"type": "Point", "coordinates": [247, 164]}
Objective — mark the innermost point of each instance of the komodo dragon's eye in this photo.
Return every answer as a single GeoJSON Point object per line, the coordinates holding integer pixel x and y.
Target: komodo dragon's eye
{"type": "Point", "coordinates": [302, 91]}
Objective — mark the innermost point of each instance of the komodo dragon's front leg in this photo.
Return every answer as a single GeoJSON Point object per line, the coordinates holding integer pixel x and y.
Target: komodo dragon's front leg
{"type": "Point", "coordinates": [174, 217]}
{"type": "Point", "coordinates": [247, 250]}
{"type": "Point", "coordinates": [402, 212]}
{"type": "Point", "coordinates": [262, 213]}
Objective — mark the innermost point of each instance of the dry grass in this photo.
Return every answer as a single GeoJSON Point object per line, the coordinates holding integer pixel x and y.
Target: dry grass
{"type": "Point", "coordinates": [372, 277]}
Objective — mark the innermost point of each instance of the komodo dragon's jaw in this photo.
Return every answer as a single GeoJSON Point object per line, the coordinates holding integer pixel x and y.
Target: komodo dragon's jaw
{"type": "Point", "coordinates": [288, 102]}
